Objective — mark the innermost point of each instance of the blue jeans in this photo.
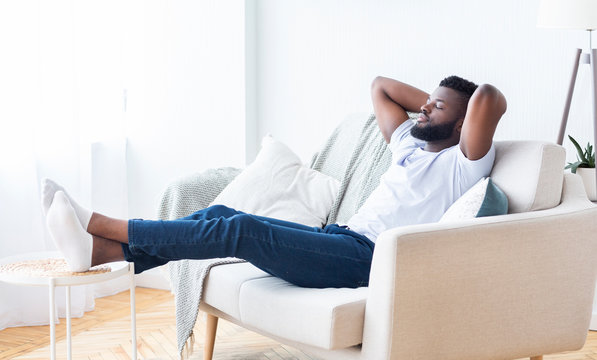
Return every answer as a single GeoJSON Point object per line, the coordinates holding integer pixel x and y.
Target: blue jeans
{"type": "Point", "coordinates": [332, 256]}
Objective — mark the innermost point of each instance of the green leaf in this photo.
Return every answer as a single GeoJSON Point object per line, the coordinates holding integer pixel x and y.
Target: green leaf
{"type": "Point", "coordinates": [578, 150]}
{"type": "Point", "coordinates": [586, 157]}
{"type": "Point", "coordinates": [573, 166]}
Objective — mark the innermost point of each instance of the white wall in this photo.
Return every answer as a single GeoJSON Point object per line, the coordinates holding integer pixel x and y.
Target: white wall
{"type": "Point", "coordinates": [205, 80]}
{"type": "Point", "coordinates": [316, 60]}
{"type": "Point", "coordinates": [185, 87]}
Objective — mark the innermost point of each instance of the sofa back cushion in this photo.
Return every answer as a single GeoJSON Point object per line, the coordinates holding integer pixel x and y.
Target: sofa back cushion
{"type": "Point", "coordinates": [531, 173]}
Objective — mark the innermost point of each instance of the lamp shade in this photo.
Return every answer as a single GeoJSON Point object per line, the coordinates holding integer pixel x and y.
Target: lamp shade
{"type": "Point", "coordinates": [568, 14]}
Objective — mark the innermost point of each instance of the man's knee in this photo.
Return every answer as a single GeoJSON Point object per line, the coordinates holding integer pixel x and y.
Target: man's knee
{"type": "Point", "coordinates": [247, 224]}
{"type": "Point", "coordinates": [243, 218]}
{"type": "Point", "coordinates": [216, 211]}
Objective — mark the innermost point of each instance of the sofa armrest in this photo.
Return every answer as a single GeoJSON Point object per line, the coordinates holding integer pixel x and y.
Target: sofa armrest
{"type": "Point", "coordinates": [516, 285]}
{"type": "Point", "coordinates": [189, 194]}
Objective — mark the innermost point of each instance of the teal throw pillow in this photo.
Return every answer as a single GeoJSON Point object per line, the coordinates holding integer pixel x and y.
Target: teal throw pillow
{"type": "Point", "coordinates": [483, 199]}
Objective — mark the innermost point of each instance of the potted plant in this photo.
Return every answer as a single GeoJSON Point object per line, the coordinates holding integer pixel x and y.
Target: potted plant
{"type": "Point", "coordinates": [585, 167]}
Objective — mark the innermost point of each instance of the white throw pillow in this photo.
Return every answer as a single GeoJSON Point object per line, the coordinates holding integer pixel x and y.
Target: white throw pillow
{"type": "Point", "coordinates": [277, 185]}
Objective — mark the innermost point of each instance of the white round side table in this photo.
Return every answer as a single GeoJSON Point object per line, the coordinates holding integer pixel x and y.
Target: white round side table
{"type": "Point", "coordinates": [18, 270]}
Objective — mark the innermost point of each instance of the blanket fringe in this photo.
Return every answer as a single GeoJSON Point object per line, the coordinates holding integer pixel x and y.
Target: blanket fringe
{"type": "Point", "coordinates": [187, 348]}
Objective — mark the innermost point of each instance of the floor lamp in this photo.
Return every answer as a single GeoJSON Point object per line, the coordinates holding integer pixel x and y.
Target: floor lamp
{"type": "Point", "coordinates": [574, 14]}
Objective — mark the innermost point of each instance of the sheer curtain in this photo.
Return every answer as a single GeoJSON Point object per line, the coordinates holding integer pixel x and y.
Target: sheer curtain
{"type": "Point", "coordinates": [65, 71]}
{"type": "Point", "coordinates": [60, 90]}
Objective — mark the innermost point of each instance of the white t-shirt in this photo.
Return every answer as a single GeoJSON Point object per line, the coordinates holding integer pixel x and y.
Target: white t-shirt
{"type": "Point", "coordinates": [419, 185]}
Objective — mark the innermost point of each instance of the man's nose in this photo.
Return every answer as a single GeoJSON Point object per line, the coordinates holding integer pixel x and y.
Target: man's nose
{"type": "Point", "coordinates": [424, 108]}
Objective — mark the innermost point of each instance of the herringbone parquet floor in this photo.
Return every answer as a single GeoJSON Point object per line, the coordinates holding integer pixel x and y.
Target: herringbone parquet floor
{"type": "Point", "coordinates": [104, 334]}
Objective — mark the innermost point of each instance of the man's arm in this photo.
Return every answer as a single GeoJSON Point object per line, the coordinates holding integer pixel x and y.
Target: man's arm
{"type": "Point", "coordinates": [485, 108]}
{"type": "Point", "coordinates": [391, 100]}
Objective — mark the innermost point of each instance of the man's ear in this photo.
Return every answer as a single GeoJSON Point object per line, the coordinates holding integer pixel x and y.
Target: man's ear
{"type": "Point", "coordinates": [458, 125]}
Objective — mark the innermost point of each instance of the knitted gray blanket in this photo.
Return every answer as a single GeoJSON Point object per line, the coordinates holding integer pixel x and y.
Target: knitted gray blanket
{"type": "Point", "coordinates": [180, 199]}
{"type": "Point", "coordinates": [355, 153]}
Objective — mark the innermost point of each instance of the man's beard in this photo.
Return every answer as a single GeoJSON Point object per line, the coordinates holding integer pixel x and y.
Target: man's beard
{"type": "Point", "coordinates": [433, 132]}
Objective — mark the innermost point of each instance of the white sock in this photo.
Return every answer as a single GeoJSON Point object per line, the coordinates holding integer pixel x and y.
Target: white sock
{"type": "Point", "coordinates": [70, 238]}
{"type": "Point", "coordinates": [49, 188]}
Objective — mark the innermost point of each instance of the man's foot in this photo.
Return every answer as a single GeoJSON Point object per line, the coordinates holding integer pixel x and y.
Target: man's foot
{"type": "Point", "coordinates": [70, 238]}
{"type": "Point", "coordinates": [49, 188]}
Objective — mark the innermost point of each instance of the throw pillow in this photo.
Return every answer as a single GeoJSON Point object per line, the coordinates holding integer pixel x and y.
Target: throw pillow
{"type": "Point", "coordinates": [483, 199]}
{"type": "Point", "coordinates": [277, 185]}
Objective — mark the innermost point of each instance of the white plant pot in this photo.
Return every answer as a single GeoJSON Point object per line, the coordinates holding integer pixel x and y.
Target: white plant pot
{"type": "Point", "coordinates": [588, 178]}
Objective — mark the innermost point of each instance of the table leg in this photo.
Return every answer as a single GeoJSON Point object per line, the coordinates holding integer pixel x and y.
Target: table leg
{"type": "Point", "coordinates": [133, 311]}
{"type": "Point", "coordinates": [69, 354]}
{"type": "Point", "coordinates": [52, 324]}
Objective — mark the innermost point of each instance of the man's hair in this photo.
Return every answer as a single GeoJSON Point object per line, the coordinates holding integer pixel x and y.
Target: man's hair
{"type": "Point", "coordinates": [462, 86]}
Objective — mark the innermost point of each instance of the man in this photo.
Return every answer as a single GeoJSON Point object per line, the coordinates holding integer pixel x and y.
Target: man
{"type": "Point", "coordinates": [434, 162]}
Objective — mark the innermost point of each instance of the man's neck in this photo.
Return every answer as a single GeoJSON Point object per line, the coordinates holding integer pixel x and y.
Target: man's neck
{"type": "Point", "coordinates": [437, 146]}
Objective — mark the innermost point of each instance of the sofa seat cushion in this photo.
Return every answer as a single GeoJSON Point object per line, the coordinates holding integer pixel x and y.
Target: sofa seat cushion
{"type": "Point", "coordinates": [329, 318]}
{"type": "Point", "coordinates": [223, 284]}
{"type": "Point", "coordinates": [326, 318]}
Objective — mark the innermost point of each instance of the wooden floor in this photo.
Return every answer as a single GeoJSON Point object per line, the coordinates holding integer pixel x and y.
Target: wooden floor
{"type": "Point", "coordinates": [104, 334]}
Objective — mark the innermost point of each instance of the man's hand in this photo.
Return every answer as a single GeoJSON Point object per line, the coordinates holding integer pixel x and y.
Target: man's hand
{"type": "Point", "coordinates": [485, 108]}
{"type": "Point", "coordinates": [391, 100]}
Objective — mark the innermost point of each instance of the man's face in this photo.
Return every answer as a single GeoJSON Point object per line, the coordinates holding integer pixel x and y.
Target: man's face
{"type": "Point", "coordinates": [439, 116]}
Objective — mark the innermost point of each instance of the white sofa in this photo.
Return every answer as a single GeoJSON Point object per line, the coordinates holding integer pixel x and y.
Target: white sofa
{"type": "Point", "coordinates": [502, 287]}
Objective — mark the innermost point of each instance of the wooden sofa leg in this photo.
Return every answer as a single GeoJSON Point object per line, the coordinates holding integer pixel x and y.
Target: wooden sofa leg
{"type": "Point", "coordinates": [540, 357]}
{"type": "Point", "coordinates": [210, 336]}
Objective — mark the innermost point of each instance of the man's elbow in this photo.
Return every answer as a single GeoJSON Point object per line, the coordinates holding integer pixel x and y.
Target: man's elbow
{"type": "Point", "coordinates": [490, 94]}
{"type": "Point", "coordinates": [376, 83]}
{"type": "Point", "coordinates": [487, 90]}
{"type": "Point", "coordinates": [378, 90]}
